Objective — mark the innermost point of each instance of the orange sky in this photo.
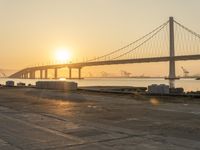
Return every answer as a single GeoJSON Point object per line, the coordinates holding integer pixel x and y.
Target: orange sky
{"type": "Point", "coordinates": [31, 30]}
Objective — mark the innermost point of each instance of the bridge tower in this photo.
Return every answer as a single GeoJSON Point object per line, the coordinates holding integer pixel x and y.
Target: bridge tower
{"type": "Point", "coordinates": [172, 71]}
{"type": "Point", "coordinates": [172, 67]}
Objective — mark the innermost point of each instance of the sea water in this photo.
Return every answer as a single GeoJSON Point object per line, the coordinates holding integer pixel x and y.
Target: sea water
{"type": "Point", "coordinates": [188, 84]}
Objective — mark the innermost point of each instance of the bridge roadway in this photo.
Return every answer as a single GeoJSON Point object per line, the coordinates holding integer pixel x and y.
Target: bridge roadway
{"type": "Point", "coordinates": [31, 70]}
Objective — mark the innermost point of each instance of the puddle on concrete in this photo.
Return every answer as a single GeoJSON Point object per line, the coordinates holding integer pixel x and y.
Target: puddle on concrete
{"type": "Point", "coordinates": [92, 106]}
{"type": "Point", "coordinates": [154, 101]}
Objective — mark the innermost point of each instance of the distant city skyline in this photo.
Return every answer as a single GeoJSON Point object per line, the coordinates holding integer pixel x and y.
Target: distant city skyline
{"type": "Point", "coordinates": [32, 30]}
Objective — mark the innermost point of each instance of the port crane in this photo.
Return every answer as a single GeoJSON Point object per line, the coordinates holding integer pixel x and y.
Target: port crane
{"type": "Point", "coordinates": [3, 74]}
{"type": "Point", "coordinates": [104, 74]}
{"type": "Point", "coordinates": [185, 72]}
{"type": "Point", "coordinates": [90, 74]}
{"type": "Point", "coordinates": [125, 73]}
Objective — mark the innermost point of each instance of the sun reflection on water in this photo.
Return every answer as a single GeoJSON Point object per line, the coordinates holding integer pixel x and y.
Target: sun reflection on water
{"type": "Point", "coordinates": [154, 101]}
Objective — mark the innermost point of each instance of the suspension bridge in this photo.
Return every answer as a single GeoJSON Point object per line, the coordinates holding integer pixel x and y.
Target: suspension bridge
{"type": "Point", "coordinates": [169, 42]}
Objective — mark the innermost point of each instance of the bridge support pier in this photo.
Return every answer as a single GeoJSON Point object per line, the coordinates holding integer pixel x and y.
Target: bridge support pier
{"type": "Point", "coordinates": [41, 74]}
{"type": "Point", "coordinates": [70, 73]}
{"type": "Point", "coordinates": [79, 73]}
{"type": "Point", "coordinates": [22, 76]}
{"type": "Point", "coordinates": [46, 73]}
{"type": "Point", "coordinates": [56, 73]}
{"type": "Point", "coordinates": [26, 75]}
{"type": "Point", "coordinates": [32, 74]}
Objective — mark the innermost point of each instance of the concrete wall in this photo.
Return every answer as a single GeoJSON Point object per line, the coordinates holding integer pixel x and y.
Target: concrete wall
{"type": "Point", "coordinates": [158, 89]}
{"type": "Point", "coordinates": [57, 85]}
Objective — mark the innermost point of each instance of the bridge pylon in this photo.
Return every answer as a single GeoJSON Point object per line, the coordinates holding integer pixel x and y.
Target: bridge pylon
{"type": "Point", "coordinates": [172, 67]}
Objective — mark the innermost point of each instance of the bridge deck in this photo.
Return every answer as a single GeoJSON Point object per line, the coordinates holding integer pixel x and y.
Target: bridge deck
{"type": "Point", "coordinates": [108, 62]}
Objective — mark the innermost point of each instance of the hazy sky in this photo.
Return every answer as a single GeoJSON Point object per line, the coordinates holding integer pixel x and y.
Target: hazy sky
{"type": "Point", "coordinates": [31, 30]}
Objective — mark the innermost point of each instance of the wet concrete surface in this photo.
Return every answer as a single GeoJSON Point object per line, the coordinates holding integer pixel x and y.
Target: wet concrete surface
{"type": "Point", "coordinates": [32, 119]}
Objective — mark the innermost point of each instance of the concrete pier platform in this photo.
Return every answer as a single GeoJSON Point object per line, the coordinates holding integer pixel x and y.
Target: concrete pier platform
{"type": "Point", "coordinates": [33, 119]}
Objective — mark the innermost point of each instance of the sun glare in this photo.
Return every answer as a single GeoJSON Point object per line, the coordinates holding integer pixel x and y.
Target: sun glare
{"type": "Point", "coordinates": [63, 55]}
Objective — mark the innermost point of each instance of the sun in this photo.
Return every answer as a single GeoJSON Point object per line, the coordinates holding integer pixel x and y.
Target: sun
{"type": "Point", "coordinates": [63, 55]}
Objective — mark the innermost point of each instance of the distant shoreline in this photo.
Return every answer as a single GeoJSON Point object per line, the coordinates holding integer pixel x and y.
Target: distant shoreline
{"type": "Point", "coordinates": [143, 77]}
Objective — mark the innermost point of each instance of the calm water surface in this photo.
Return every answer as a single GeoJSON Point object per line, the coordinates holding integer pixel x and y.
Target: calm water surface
{"type": "Point", "coordinates": [187, 84]}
